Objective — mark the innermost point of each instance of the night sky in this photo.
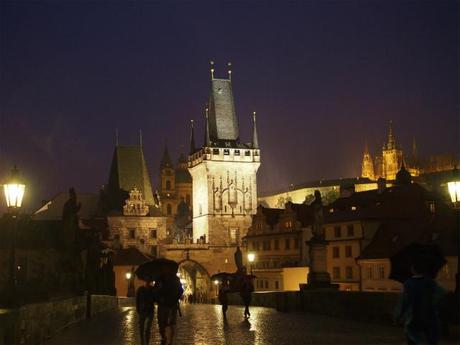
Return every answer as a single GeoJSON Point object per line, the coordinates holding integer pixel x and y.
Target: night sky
{"type": "Point", "coordinates": [323, 76]}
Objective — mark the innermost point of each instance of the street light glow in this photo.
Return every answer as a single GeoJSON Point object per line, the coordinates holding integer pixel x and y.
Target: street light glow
{"type": "Point", "coordinates": [454, 190]}
{"type": "Point", "coordinates": [128, 275]}
{"type": "Point", "coordinates": [216, 282]}
{"type": "Point", "coordinates": [14, 190]}
{"type": "Point", "coordinates": [251, 257]}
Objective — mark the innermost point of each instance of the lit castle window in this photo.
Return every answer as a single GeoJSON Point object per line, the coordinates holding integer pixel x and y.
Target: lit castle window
{"type": "Point", "coordinates": [135, 205]}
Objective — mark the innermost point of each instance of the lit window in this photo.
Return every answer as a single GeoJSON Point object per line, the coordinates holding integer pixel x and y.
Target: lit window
{"type": "Point", "coordinates": [381, 272]}
{"type": "Point", "coordinates": [353, 208]}
{"type": "Point", "coordinates": [349, 272]}
{"type": "Point", "coordinates": [132, 233]}
{"type": "Point", "coordinates": [370, 272]}
{"type": "Point", "coordinates": [336, 272]}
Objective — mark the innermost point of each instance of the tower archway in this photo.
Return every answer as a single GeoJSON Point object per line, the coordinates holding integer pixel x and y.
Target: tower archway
{"type": "Point", "coordinates": [195, 280]}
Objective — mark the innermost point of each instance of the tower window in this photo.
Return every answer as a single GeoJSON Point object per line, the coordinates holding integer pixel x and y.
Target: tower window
{"type": "Point", "coordinates": [168, 209]}
{"type": "Point", "coordinates": [168, 185]}
{"type": "Point", "coordinates": [226, 152]}
{"type": "Point", "coordinates": [237, 152]}
{"type": "Point", "coordinates": [247, 153]}
{"type": "Point", "coordinates": [132, 233]}
{"type": "Point", "coordinates": [215, 151]}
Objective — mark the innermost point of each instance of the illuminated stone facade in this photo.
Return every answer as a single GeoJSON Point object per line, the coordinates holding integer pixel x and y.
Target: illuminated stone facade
{"type": "Point", "coordinates": [224, 173]}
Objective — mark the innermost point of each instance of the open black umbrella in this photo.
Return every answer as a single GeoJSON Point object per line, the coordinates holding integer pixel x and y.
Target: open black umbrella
{"type": "Point", "coordinates": [152, 269]}
{"type": "Point", "coordinates": [428, 259]}
{"type": "Point", "coordinates": [221, 276]}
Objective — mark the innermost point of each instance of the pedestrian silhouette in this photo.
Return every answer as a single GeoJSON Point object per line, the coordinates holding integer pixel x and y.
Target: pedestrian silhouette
{"type": "Point", "coordinates": [419, 306]}
{"type": "Point", "coordinates": [223, 296]}
{"type": "Point", "coordinates": [169, 293]}
{"type": "Point", "coordinates": [246, 291]}
{"type": "Point", "coordinates": [145, 307]}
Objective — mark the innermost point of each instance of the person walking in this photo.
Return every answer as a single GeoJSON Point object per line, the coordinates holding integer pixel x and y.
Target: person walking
{"type": "Point", "coordinates": [419, 307]}
{"type": "Point", "coordinates": [246, 291]}
{"type": "Point", "coordinates": [145, 307]}
{"type": "Point", "coordinates": [223, 296]}
{"type": "Point", "coordinates": [169, 293]}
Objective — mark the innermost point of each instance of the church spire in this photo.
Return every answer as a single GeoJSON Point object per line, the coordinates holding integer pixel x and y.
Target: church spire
{"type": "Point", "coordinates": [391, 140]}
{"type": "Point", "coordinates": [255, 137]}
{"type": "Point", "coordinates": [192, 138]}
{"type": "Point", "coordinates": [207, 140]}
{"type": "Point", "coordinates": [166, 159]}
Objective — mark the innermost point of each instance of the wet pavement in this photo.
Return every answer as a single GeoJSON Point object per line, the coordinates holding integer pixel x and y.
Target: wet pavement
{"type": "Point", "coordinates": [204, 325]}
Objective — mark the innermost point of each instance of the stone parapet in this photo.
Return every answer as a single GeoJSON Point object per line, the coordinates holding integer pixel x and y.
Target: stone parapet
{"type": "Point", "coordinates": [33, 323]}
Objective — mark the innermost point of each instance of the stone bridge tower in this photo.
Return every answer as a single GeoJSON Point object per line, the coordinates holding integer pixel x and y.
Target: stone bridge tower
{"type": "Point", "coordinates": [224, 171]}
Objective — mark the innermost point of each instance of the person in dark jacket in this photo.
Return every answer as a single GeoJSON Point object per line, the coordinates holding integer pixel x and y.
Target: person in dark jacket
{"type": "Point", "coordinates": [419, 308]}
{"type": "Point", "coordinates": [223, 296]}
{"type": "Point", "coordinates": [246, 291]}
{"type": "Point", "coordinates": [169, 293]}
{"type": "Point", "coordinates": [145, 307]}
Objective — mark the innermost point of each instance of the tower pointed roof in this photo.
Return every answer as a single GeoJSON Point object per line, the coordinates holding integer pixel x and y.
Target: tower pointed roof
{"type": "Point", "coordinates": [128, 171]}
{"type": "Point", "coordinates": [223, 123]}
{"type": "Point", "coordinates": [166, 159]}
{"type": "Point", "coordinates": [391, 144]}
{"type": "Point", "coordinates": [192, 138]}
{"type": "Point", "coordinates": [255, 137]}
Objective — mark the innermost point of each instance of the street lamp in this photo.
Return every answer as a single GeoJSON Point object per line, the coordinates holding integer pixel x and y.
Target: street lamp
{"type": "Point", "coordinates": [251, 258]}
{"type": "Point", "coordinates": [129, 278]}
{"type": "Point", "coordinates": [453, 187]}
{"type": "Point", "coordinates": [216, 283]}
{"type": "Point", "coordinates": [14, 190]}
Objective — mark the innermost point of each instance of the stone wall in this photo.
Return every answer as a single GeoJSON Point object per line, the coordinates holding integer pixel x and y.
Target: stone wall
{"type": "Point", "coordinates": [370, 306]}
{"type": "Point", "coordinates": [33, 323]}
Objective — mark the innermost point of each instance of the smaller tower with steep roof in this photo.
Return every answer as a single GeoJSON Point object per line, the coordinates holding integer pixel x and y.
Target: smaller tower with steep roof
{"type": "Point", "coordinates": [367, 166]}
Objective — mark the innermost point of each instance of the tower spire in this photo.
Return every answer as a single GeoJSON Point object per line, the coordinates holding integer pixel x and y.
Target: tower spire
{"type": "Point", "coordinates": [140, 137]}
{"type": "Point", "coordinates": [192, 138]}
{"type": "Point", "coordinates": [255, 137]}
{"type": "Point", "coordinates": [116, 136]}
{"type": "Point", "coordinates": [211, 64]}
{"type": "Point", "coordinates": [207, 139]}
{"type": "Point", "coordinates": [391, 140]}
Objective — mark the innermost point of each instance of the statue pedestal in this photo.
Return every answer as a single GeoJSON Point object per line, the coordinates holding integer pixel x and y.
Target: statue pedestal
{"type": "Point", "coordinates": [318, 276]}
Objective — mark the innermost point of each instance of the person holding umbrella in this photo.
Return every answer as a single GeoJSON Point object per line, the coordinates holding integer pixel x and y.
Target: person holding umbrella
{"type": "Point", "coordinates": [169, 293]}
{"type": "Point", "coordinates": [420, 302]}
{"type": "Point", "coordinates": [145, 307]}
{"type": "Point", "coordinates": [223, 296]}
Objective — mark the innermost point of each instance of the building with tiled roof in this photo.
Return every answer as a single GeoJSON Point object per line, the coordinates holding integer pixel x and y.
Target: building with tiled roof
{"type": "Point", "coordinates": [277, 237]}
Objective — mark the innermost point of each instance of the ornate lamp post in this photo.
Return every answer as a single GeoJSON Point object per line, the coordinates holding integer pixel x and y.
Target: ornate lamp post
{"type": "Point", "coordinates": [216, 283]}
{"type": "Point", "coordinates": [14, 190]}
{"type": "Point", "coordinates": [453, 187]}
{"type": "Point", "coordinates": [251, 259]}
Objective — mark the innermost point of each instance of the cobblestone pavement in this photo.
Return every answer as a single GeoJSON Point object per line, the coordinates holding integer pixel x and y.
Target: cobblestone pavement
{"type": "Point", "coordinates": [204, 325]}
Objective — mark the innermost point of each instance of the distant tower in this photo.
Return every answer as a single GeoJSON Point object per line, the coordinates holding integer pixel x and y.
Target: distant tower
{"type": "Point", "coordinates": [392, 157]}
{"type": "Point", "coordinates": [367, 166]}
{"type": "Point", "coordinates": [224, 172]}
{"type": "Point", "coordinates": [167, 184]}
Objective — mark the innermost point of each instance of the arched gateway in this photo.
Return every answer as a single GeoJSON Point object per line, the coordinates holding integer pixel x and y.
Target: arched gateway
{"type": "Point", "coordinates": [195, 280]}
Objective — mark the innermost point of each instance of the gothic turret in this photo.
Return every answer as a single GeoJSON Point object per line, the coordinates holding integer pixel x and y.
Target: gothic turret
{"type": "Point", "coordinates": [255, 138]}
{"type": "Point", "coordinates": [391, 144]}
{"type": "Point", "coordinates": [207, 139]}
{"type": "Point", "coordinates": [192, 139]}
